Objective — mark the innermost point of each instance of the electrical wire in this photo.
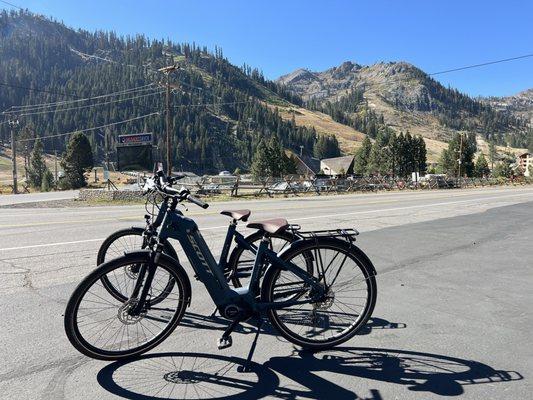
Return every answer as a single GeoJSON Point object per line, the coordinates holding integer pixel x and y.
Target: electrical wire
{"type": "Point", "coordinates": [481, 65]}
{"type": "Point", "coordinates": [87, 105]}
{"type": "Point", "coordinates": [32, 107]}
{"type": "Point", "coordinates": [94, 128]}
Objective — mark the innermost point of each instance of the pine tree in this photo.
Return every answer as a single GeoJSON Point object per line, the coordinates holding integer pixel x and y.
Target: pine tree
{"type": "Point", "coordinates": [450, 157]}
{"type": "Point", "coordinates": [47, 181]}
{"type": "Point", "coordinates": [492, 154]}
{"type": "Point", "coordinates": [362, 155]}
{"type": "Point", "coordinates": [482, 167]}
{"type": "Point", "coordinates": [378, 158]}
{"type": "Point", "coordinates": [78, 160]}
{"type": "Point", "coordinates": [37, 166]}
{"type": "Point", "coordinates": [260, 163]}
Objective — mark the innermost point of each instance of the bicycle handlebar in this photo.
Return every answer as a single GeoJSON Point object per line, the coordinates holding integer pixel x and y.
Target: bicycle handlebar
{"type": "Point", "coordinates": [160, 183]}
{"type": "Point", "coordinates": [197, 201]}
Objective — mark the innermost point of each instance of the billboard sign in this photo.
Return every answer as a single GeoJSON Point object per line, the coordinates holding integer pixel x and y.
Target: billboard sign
{"type": "Point", "coordinates": [137, 139]}
{"type": "Point", "coordinates": [134, 152]}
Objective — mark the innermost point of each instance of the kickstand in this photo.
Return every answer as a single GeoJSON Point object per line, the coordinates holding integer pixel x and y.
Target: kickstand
{"type": "Point", "coordinates": [247, 366]}
{"type": "Point", "coordinates": [214, 312]}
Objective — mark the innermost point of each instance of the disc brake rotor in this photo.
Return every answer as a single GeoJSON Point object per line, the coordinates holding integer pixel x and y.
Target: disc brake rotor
{"type": "Point", "coordinates": [125, 316]}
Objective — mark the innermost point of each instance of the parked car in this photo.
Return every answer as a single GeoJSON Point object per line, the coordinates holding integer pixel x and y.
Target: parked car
{"type": "Point", "coordinates": [224, 173]}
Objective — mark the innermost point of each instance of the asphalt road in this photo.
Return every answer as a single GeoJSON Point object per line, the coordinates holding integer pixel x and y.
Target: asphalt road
{"type": "Point", "coordinates": [453, 317]}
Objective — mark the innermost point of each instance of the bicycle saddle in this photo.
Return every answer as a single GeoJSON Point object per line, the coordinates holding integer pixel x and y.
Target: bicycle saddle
{"type": "Point", "coordinates": [273, 226]}
{"type": "Point", "coordinates": [239, 215]}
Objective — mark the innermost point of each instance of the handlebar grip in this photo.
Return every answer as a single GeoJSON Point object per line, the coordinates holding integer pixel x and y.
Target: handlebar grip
{"type": "Point", "coordinates": [197, 201]}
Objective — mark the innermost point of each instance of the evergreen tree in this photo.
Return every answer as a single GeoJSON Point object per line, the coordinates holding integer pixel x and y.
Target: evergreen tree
{"type": "Point", "coordinates": [78, 160]}
{"type": "Point", "coordinates": [37, 166]}
{"type": "Point", "coordinates": [378, 159]}
{"type": "Point", "coordinates": [326, 146]}
{"type": "Point", "coordinates": [447, 162]}
{"type": "Point", "coordinates": [47, 181]}
{"type": "Point", "coordinates": [459, 149]}
{"type": "Point", "coordinates": [261, 162]}
{"type": "Point", "coordinates": [420, 154]}
{"type": "Point", "coordinates": [482, 167]}
{"type": "Point", "coordinates": [362, 155]}
{"type": "Point", "coordinates": [503, 169]}
{"type": "Point", "coordinates": [492, 154]}
{"type": "Point", "coordinates": [392, 148]}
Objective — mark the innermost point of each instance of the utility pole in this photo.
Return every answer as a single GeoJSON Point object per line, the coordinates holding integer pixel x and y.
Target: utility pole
{"type": "Point", "coordinates": [12, 124]}
{"type": "Point", "coordinates": [167, 71]}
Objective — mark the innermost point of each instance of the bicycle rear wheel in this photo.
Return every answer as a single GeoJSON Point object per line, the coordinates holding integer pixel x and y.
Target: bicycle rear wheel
{"type": "Point", "coordinates": [349, 279]}
{"type": "Point", "coordinates": [103, 327]}
{"type": "Point", "coordinates": [241, 260]}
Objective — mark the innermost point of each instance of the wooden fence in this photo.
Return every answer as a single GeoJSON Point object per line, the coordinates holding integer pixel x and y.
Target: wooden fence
{"type": "Point", "coordinates": [296, 186]}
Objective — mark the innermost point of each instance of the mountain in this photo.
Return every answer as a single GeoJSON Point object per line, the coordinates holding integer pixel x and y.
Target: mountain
{"type": "Point", "coordinates": [220, 112]}
{"type": "Point", "coordinates": [404, 98]}
{"type": "Point", "coordinates": [520, 104]}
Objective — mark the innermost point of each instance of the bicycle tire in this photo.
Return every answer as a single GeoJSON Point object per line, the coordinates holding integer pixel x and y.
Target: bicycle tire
{"type": "Point", "coordinates": [115, 237]}
{"type": "Point", "coordinates": [72, 327]}
{"type": "Point", "coordinates": [307, 246]}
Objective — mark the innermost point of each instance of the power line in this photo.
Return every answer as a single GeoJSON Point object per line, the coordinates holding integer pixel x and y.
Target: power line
{"type": "Point", "coordinates": [214, 104]}
{"type": "Point", "coordinates": [38, 90]}
{"type": "Point", "coordinates": [482, 64]}
{"type": "Point", "coordinates": [86, 105]}
{"type": "Point", "coordinates": [33, 107]}
{"type": "Point", "coordinates": [11, 4]}
{"type": "Point", "coordinates": [94, 128]}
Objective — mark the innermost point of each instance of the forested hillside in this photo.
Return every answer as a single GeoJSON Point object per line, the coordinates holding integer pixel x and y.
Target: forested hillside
{"type": "Point", "coordinates": [220, 112]}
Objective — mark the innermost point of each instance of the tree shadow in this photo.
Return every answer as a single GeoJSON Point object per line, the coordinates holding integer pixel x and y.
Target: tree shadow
{"type": "Point", "coordinates": [314, 375]}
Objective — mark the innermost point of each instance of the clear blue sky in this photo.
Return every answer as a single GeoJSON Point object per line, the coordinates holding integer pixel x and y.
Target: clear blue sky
{"type": "Point", "coordinates": [280, 36]}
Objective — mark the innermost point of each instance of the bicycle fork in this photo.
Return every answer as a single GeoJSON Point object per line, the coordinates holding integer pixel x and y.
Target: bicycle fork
{"type": "Point", "coordinates": [148, 271]}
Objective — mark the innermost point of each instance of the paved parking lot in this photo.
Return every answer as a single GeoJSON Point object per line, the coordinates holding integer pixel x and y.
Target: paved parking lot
{"type": "Point", "coordinates": [453, 317]}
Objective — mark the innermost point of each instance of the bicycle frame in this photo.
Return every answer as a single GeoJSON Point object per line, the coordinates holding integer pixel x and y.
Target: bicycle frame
{"type": "Point", "coordinates": [185, 230]}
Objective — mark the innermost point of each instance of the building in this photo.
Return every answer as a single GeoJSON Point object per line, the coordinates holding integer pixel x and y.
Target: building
{"type": "Point", "coordinates": [305, 165]}
{"type": "Point", "coordinates": [525, 163]}
{"type": "Point", "coordinates": [337, 166]}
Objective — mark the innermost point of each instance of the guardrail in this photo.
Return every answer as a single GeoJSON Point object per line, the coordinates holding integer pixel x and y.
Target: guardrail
{"type": "Point", "coordinates": [295, 186]}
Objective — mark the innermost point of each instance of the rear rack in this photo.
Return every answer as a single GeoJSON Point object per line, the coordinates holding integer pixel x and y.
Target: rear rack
{"type": "Point", "coordinates": [348, 234]}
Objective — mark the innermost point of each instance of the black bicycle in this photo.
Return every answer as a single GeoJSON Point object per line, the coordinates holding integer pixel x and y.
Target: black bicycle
{"type": "Point", "coordinates": [316, 310]}
{"type": "Point", "coordinates": [237, 265]}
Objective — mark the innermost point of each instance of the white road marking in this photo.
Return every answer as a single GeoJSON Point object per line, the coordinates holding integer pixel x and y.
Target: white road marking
{"type": "Point", "coordinates": [298, 219]}
{"type": "Point", "coordinates": [34, 246]}
{"type": "Point", "coordinates": [412, 207]}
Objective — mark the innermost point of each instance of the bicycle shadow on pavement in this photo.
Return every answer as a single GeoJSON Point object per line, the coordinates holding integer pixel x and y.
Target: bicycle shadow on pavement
{"type": "Point", "coordinates": [216, 322]}
{"type": "Point", "coordinates": [318, 375]}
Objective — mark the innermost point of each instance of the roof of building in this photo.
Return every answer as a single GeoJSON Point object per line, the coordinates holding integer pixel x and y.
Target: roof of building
{"type": "Point", "coordinates": [338, 163]}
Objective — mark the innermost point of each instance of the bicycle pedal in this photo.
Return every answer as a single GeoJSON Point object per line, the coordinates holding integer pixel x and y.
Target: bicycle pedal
{"type": "Point", "coordinates": [224, 342]}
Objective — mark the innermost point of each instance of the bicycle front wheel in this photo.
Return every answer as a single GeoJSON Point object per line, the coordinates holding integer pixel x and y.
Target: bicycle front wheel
{"type": "Point", "coordinates": [124, 241]}
{"type": "Point", "coordinates": [348, 278]}
{"type": "Point", "coordinates": [103, 327]}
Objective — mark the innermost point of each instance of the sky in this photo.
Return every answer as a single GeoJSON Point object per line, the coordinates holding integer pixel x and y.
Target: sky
{"type": "Point", "coordinates": [281, 36]}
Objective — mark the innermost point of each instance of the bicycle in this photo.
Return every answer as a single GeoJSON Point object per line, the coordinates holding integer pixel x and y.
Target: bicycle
{"type": "Point", "coordinates": [305, 308]}
{"type": "Point", "coordinates": [236, 265]}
